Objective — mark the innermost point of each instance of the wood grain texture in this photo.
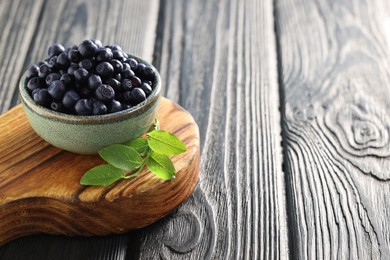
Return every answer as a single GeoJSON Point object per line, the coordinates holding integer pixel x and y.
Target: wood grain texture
{"type": "Point", "coordinates": [218, 59]}
{"type": "Point", "coordinates": [21, 17]}
{"type": "Point", "coordinates": [40, 190]}
{"type": "Point", "coordinates": [335, 77]}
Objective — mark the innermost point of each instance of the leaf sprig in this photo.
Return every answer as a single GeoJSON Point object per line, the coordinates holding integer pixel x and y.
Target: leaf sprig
{"type": "Point", "coordinates": [125, 161]}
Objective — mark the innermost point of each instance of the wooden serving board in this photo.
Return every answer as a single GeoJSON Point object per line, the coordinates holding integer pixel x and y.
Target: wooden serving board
{"type": "Point", "coordinates": [40, 190]}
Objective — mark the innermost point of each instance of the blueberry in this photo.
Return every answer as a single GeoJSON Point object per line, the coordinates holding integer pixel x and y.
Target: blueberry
{"type": "Point", "coordinates": [116, 85]}
{"type": "Point", "coordinates": [103, 54]}
{"type": "Point", "coordinates": [146, 88]}
{"type": "Point", "coordinates": [117, 65]}
{"type": "Point", "coordinates": [117, 76]}
{"type": "Point", "coordinates": [133, 63]}
{"type": "Point", "coordinates": [137, 96]}
{"type": "Point", "coordinates": [35, 91]}
{"type": "Point", "coordinates": [57, 106]}
{"type": "Point", "coordinates": [97, 43]}
{"type": "Point", "coordinates": [72, 68]}
{"type": "Point", "coordinates": [99, 108]}
{"type": "Point", "coordinates": [67, 79]}
{"type": "Point", "coordinates": [74, 55]}
{"type": "Point", "coordinates": [118, 55]}
{"type": "Point", "coordinates": [53, 63]}
{"type": "Point", "coordinates": [52, 77]}
{"type": "Point", "coordinates": [94, 81]}
{"type": "Point", "coordinates": [41, 97]}
{"type": "Point", "coordinates": [81, 74]}
{"type": "Point", "coordinates": [149, 73]}
{"type": "Point", "coordinates": [135, 81]}
{"type": "Point", "coordinates": [63, 60]}
{"type": "Point", "coordinates": [126, 96]}
{"type": "Point", "coordinates": [87, 49]}
{"type": "Point", "coordinates": [83, 107]}
{"type": "Point", "coordinates": [70, 98]}
{"type": "Point", "coordinates": [127, 73]}
{"type": "Point", "coordinates": [35, 83]}
{"type": "Point", "coordinates": [104, 69]}
{"type": "Point", "coordinates": [32, 71]}
{"type": "Point", "coordinates": [115, 47]}
{"type": "Point", "coordinates": [57, 89]}
{"type": "Point", "coordinates": [140, 69]}
{"type": "Point", "coordinates": [114, 106]}
{"type": "Point", "coordinates": [86, 64]}
{"type": "Point", "coordinates": [44, 70]}
{"type": "Point", "coordinates": [126, 66]}
{"type": "Point", "coordinates": [104, 93]}
{"type": "Point", "coordinates": [55, 49]}
{"type": "Point", "coordinates": [127, 85]}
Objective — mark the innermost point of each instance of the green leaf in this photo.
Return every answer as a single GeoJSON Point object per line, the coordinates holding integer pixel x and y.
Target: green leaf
{"type": "Point", "coordinates": [140, 145]}
{"type": "Point", "coordinates": [165, 143]}
{"type": "Point", "coordinates": [161, 165]}
{"type": "Point", "coordinates": [121, 156]}
{"type": "Point", "coordinates": [102, 175]}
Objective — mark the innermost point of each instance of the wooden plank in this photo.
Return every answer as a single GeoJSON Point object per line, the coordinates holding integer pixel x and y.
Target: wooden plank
{"type": "Point", "coordinates": [18, 20]}
{"type": "Point", "coordinates": [30, 28]}
{"type": "Point", "coordinates": [218, 59]}
{"type": "Point", "coordinates": [335, 74]}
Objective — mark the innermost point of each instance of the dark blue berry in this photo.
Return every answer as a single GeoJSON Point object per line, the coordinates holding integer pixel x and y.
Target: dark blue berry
{"type": "Point", "coordinates": [74, 55]}
{"type": "Point", "coordinates": [149, 73]}
{"type": "Point", "coordinates": [117, 65]}
{"type": "Point", "coordinates": [126, 66]}
{"type": "Point", "coordinates": [44, 70]}
{"type": "Point", "coordinates": [83, 107]}
{"type": "Point", "coordinates": [146, 88]}
{"type": "Point", "coordinates": [127, 85]}
{"type": "Point", "coordinates": [104, 93]}
{"type": "Point", "coordinates": [72, 68]}
{"type": "Point", "coordinates": [32, 71]}
{"type": "Point", "coordinates": [41, 97]}
{"type": "Point", "coordinates": [57, 106]}
{"type": "Point", "coordinates": [99, 108]}
{"type": "Point", "coordinates": [86, 64]}
{"type": "Point", "coordinates": [67, 79]}
{"type": "Point", "coordinates": [133, 63]}
{"type": "Point", "coordinates": [57, 89]}
{"type": "Point", "coordinates": [117, 76]}
{"type": "Point", "coordinates": [104, 69]}
{"type": "Point", "coordinates": [137, 96]}
{"type": "Point", "coordinates": [70, 98]}
{"type": "Point", "coordinates": [35, 83]}
{"type": "Point", "coordinates": [136, 81]}
{"type": "Point", "coordinates": [115, 47]}
{"type": "Point", "coordinates": [94, 81]}
{"type": "Point", "coordinates": [103, 54]}
{"type": "Point", "coordinates": [118, 55]}
{"type": "Point", "coordinates": [127, 73]}
{"type": "Point", "coordinates": [87, 49]}
{"type": "Point", "coordinates": [55, 49]}
{"type": "Point", "coordinates": [63, 60]}
{"type": "Point", "coordinates": [81, 75]}
{"type": "Point", "coordinates": [140, 69]}
{"type": "Point", "coordinates": [52, 77]}
{"type": "Point", "coordinates": [114, 106]}
{"type": "Point", "coordinates": [97, 43]}
{"type": "Point", "coordinates": [116, 85]}
{"type": "Point", "coordinates": [53, 63]}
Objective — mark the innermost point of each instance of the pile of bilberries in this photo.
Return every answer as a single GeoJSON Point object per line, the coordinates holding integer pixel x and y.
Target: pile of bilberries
{"type": "Point", "coordinates": [89, 79]}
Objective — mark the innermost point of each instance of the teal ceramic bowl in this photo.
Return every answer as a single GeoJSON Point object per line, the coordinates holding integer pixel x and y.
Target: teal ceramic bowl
{"type": "Point", "coordinates": [89, 134]}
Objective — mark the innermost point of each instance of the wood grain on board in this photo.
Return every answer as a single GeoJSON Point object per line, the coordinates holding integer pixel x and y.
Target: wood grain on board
{"type": "Point", "coordinates": [40, 190]}
{"type": "Point", "coordinates": [218, 60]}
{"type": "Point", "coordinates": [334, 62]}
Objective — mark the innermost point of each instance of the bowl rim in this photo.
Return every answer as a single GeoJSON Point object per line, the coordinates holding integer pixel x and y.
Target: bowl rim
{"type": "Point", "coordinates": [48, 113]}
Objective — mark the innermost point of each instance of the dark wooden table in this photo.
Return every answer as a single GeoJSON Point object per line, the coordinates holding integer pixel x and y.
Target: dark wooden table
{"type": "Point", "coordinates": [292, 101]}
